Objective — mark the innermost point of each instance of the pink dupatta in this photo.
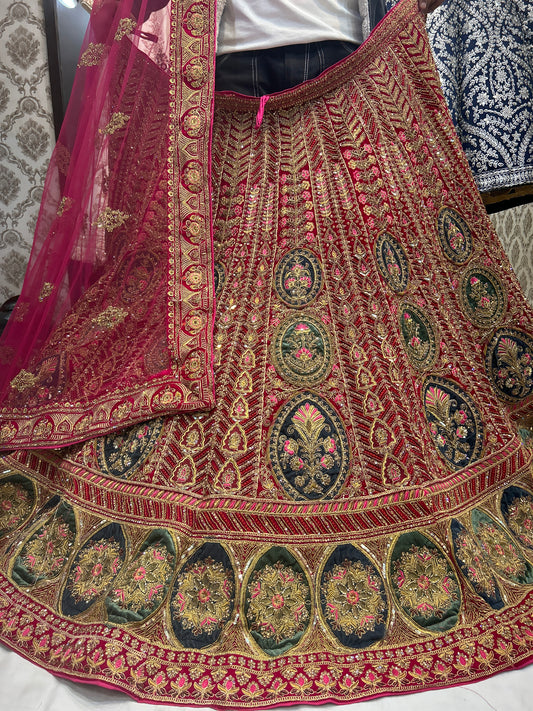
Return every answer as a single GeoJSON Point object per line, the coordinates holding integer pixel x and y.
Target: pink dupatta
{"type": "Point", "coordinates": [114, 323]}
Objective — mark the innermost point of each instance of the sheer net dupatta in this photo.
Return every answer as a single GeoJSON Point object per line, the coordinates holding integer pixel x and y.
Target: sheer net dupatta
{"type": "Point", "coordinates": [114, 323]}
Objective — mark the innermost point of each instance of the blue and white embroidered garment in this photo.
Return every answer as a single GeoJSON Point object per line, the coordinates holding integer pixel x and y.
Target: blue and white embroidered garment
{"type": "Point", "coordinates": [484, 54]}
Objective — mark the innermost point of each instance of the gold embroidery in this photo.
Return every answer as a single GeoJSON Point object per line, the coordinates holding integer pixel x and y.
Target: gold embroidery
{"type": "Point", "coordinates": [243, 384]}
{"type": "Point", "coordinates": [185, 472]}
{"type": "Point", "coordinates": [277, 602]}
{"type": "Point", "coordinates": [46, 290]}
{"type": "Point", "coordinates": [239, 409]}
{"type": "Point", "coordinates": [203, 600]}
{"type": "Point", "coordinates": [110, 219]}
{"type": "Point", "coordinates": [110, 318]}
{"type": "Point", "coordinates": [193, 438]}
{"type": "Point", "coordinates": [24, 381]}
{"type": "Point", "coordinates": [424, 583]}
{"type": "Point", "coordinates": [235, 441]}
{"type": "Point", "coordinates": [354, 604]}
{"type": "Point", "coordinates": [228, 479]}
{"type": "Point", "coordinates": [92, 55]}
{"type": "Point", "coordinates": [125, 27]}
{"type": "Point", "coordinates": [64, 205]}
{"type": "Point", "coordinates": [116, 122]}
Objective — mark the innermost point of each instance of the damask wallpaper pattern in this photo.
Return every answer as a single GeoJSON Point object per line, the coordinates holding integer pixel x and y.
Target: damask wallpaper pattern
{"type": "Point", "coordinates": [26, 134]}
{"type": "Point", "coordinates": [515, 230]}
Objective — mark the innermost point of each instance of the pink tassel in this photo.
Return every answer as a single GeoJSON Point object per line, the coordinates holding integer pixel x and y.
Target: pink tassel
{"type": "Point", "coordinates": [261, 112]}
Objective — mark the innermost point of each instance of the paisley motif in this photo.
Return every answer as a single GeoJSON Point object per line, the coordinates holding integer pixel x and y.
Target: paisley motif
{"type": "Point", "coordinates": [277, 604]}
{"type": "Point", "coordinates": [392, 262]}
{"type": "Point", "coordinates": [352, 598]}
{"type": "Point", "coordinates": [45, 554]}
{"type": "Point", "coordinates": [474, 565]}
{"type": "Point", "coordinates": [454, 422]}
{"type": "Point", "coordinates": [203, 597]}
{"type": "Point", "coordinates": [418, 335]}
{"type": "Point", "coordinates": [308, 448]}
{"type": "Point", "coordinates": [142, 585]}
{"type": "Point", "coordinates": [94, 570]}
{"type": "Point", "coordinates": [517, 509]}
{"type": "Point", "coordinates": [501, 551]}
{"type": "Point", "coordinates": [509, 364]}
{"type": "Point", "coordinates": [454, 236]}
{"type": "Point", "coordinates": [423, 583]}
{"type": "Point", "coordinates": [482, 297]}
{"type": "Point", "coordinates": [301, 350]}
{"type": "Point", "coordinates": [298, 278]}
{"type": "Point", "coordinates": [17, 499]}
{"type": "Point", "coordinates": [121, 454]}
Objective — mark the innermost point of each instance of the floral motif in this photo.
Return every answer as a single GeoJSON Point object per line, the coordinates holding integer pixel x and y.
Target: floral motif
{"type": "Point", "coordinates": [204, 596]}
{"type": "Point", "coordinates": [110, 317]}
{"type": "Point", "coordinates": [95, 569]}
{"type": "Point", "coordinates": [16, 503]}
{"type": "Point", "coordinates": [92, 56]}
{"type": "Point", "coordinates": [117, 121]}
{"type": "Point", "coordinates": [424, 582]}
{"type": "Point", "coordinates": [418, 336]}
{"type": "Point", "coordinates": [125, 27]}
{"type": "Point", "coordinates": [454, 236]}
{"type": "Point", "coordinates": [122, 453]}
{"type": "Point", "coordinates": [474, 565]}
{"type": "Point", "coordinates": [301, 350]}
{"type": "Point", "coordinates": [142, 585]}
{"type": "Point", "coordinates": [277, 602]}
{"type": "Point", "coordinates": [353, 597]}
{"type": "Point", "coordinates": [45, 554]}
{"type": "Point", "coordinates": [392, 262]}
{"type": "Point", "coordinates": [110, 219]}
{"type": "Point", "coordinates": [33, 139]}
{"type": "Point", "coordinates": [482, 297]}
{"type": "Point", "coordinates": [308, 447]}
{"type": "Point", "coordinates": [509, 364]}
{"type": "Point", "coordinates": [500, 550]}
{"type": "Point", "coordinates": [454, 422]}
{"type": "Point", "coordinates": [9, 185]}
{"type": "Point", "coordinates": [22, 48]}
{"type": "Point", "coordinates": [519, 515]}
{"type": "Point", "coordinates": [298, 278]}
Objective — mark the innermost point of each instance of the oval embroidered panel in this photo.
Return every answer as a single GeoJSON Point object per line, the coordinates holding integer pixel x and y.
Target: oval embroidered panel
{"type": "Point", "coordinates": [474, 565]}
{"type": "Point", "coordinates": [298, 278]}
{"type": "Point", "coordinates": [517, 509]}
{"type": "Point", "coordinates": [277, 602]}
{"type": "Point", "coordinates": [455, 236]}
{"type": "Point", "coordinates": [353, 601]}
{"type": "Point", "coordinates": [392, 262]}
{"type": "Point", "coordinates": [502, 552]}
{"type": "Point", "coordinates": [203, 596]}
{"type": "Point", "coordinates": [454, 422]}
{"type": "Point", "coordinates": [509, 364]}
{"type": "Point", "coordinates": [419, 336]}
{"type": "Point", "coordinates": [301, 350]}
{"type": "Point", "coordinates": [94, 570]}
{"type": "Point", "coordinates": [424, 583]}
{"type": "Point", "coordinates": [308, 448]}
{"type": "Point", "coordinates": [121, 454]}
{"type": "Point", "coordinates": [46, 552]}
{"type": "Point", "coordinates": [482, 297]}
{"type": "Point", "coordinates": [142, 584]}
{"type": "Point", "coordinates": [17, 500]}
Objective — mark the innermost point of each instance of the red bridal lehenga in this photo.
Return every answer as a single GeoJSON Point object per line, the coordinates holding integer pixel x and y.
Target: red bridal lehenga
{"type": "Point", "coordinates": [344, 509]}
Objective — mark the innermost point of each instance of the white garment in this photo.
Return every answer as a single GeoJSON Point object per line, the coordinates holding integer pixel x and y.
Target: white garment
{"type": "Point", "coordinates": [262, 24]}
